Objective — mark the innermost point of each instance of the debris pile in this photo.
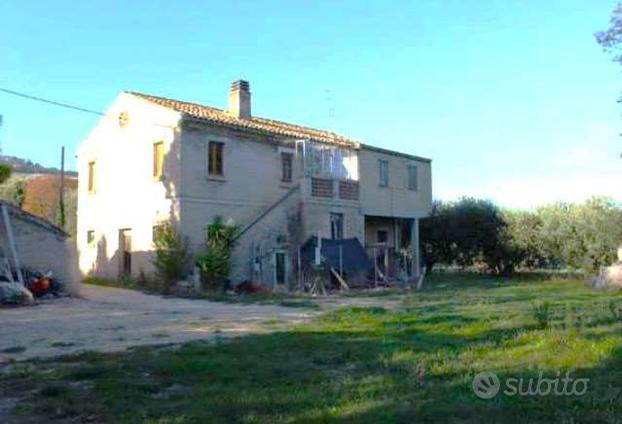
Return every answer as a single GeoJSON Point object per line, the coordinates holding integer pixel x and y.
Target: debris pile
{"type": "Point", "coordinates": [250, 287]}
{"type": "Point", "coordinates": [35, 285]}
{"type": "Point", "coordinates": [15, 294]}
{"type": "Point", "coordinates": [610, 276]}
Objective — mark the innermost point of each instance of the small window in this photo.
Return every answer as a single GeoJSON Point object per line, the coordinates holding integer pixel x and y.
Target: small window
{"type": "Point", "coordinates": [383, 173]}
{"type": "Point", "coordinates": [336, 226]}
{"type": "Point", "coordinates": [286, 167]}
{"type": "Point", "coordinates": [91, 180]}
{"type": "Point", "coordinates": [158, 159]}
{"type": "Point", "coordinates": [157, 231]}
{"type": "Point", "coordinates": [382, 236]}
{"type": "Point", "coordinates": [280, 269]}
{"type": "Point", "coordinates": [412, 177]}
{"type": "Point", "coordinates": [90, 237]}
{"type": "Point", "coordinates": [215, 159]}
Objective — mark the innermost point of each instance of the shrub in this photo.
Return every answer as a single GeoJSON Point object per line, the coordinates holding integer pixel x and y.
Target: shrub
{"type": "Point", "coordinates": [616, 311]}
{"type": "Point", "coordinates": [541, 312]}
{"type": "Point", "coordinates": [5, 173]}
{"type": "Point", "coordinates": [215, 262]}
{"type": "Point", "coordinates": [171, 256]}
{"type": "Point", "coordinates": [14, 190]}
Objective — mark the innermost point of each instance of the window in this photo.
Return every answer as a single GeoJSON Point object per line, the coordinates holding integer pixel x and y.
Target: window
{"type": "Point", "coordinates": [412, 177]}
{"type": "Point", "coordinates": [158, 159]}
{"type": "Point", "coordinates": [215, 159]}
{"type": "Point", "coordinates": [383, 173]}
{"type": "Point", "coordinates": [286, 166]}
{"type": "Point", "coordinates": [90, 237]}
{"type": "Point", "coordinates": [336, 226]}
{"type": "Point", "coordinates": [382, 236]}
{"type": "Point", "coordinates": [91, 180]}
{"type": "Point", "coordinates": [280, 269]}
{"type": "Point", "coordinates": [157, 231]}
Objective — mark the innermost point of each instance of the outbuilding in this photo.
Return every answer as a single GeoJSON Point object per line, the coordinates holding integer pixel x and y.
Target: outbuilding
{"type": "Point", "coordinates": [28, 241]}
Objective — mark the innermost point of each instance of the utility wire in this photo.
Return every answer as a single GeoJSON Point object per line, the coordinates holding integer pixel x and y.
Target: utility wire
{"type": "Point", "coordinates": [68, 106]}
{"type": "Point", "coordinates": [51, 102]}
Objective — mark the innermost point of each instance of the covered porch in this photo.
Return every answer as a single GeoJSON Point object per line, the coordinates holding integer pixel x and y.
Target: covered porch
{"type": "Point", "coordinates": [392, 245]}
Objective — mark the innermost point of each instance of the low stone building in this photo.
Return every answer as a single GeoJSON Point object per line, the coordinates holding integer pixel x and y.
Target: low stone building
{"type": "Point", "coordinates": [39, 245]}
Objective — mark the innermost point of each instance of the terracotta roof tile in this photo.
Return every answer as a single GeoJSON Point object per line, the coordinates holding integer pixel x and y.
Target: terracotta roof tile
{"type": "Point", "coordinates": [268, 126]}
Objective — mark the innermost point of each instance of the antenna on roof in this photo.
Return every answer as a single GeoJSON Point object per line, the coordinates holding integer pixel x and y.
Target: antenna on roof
{"type": "Point", "coordinates": [331, 108]}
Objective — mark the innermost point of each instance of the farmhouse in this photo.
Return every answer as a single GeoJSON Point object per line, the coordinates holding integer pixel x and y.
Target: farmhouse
{"type": "Point", "coordinates": [153, 160]}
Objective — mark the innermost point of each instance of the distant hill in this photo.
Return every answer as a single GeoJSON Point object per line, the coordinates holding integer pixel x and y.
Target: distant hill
{"type": "Point", "coordinates": [25, 166]}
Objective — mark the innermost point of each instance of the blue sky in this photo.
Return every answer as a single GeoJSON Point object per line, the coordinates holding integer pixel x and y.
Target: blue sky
{"type": "Point", "coordinates": [513, 100]}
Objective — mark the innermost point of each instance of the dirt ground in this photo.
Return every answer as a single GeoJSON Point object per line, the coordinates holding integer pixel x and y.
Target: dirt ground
{"type": "Point", "coordinates": [112, 319]}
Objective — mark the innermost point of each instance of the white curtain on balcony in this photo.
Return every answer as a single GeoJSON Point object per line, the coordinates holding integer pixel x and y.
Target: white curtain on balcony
{"type": "Point", "coordinates": [330, 162]}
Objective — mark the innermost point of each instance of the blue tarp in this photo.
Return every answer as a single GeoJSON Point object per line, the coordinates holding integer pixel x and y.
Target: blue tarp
{"type": "Point", "coordinates": [354, 261]}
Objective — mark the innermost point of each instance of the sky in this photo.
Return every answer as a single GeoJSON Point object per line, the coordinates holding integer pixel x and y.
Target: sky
{"type": "Point", "coordinates": [513, 101]}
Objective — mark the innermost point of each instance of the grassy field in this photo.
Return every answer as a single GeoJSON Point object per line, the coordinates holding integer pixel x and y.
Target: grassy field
{"type": "Point", "coordinates": [412, 364]}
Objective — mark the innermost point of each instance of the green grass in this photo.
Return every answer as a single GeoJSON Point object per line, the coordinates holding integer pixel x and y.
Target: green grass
{"type": "Point", "coordinates": [361, 365]}
{"type": "Point", "coordinates": [282, 299]}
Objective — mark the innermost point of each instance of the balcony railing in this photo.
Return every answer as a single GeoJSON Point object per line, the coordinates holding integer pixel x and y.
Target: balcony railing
{"type": "Point", "coordinates": [349, 190]}
{"type": "Point", "coordinates": [325, 187]}
{"type": "Point", "coordinates": [321, 187]}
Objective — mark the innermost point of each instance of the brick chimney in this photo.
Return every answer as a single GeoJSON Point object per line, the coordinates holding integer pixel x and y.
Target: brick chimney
{"type": "Point", "coordinates": [240, 99]}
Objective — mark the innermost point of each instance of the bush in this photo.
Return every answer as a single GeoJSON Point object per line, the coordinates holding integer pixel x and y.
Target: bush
{"type": "Point", "coordinates": [616, 311]}
{"type": "Point", "coordinates": [172, 256]}
{"type": "Point", "coordinates": [5, 173]}
{"type": "Point", "coordinates": [14, 190]}
{"type": "Point", "coordinates": [215, 262]}
{"type": "Point", "coordinates": [541, 312]}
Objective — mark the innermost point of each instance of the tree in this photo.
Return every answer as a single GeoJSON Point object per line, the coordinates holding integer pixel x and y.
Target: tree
{"type": "Point", "coordinates": [611, 39]}
{"type": "Point", "coordinates": [463, 233]}
{"type": "Point", "coordinates": [171, 256]}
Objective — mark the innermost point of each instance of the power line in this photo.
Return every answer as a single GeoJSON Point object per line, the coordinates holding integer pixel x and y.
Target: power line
{"type": "Point", "coordinates": [70, 106]}
{"type": "Point", "coordinates": [51, 102]}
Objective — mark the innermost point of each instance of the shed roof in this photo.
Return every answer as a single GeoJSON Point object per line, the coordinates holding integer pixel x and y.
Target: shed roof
{"type": "Point", "coordinates": [19, 213]}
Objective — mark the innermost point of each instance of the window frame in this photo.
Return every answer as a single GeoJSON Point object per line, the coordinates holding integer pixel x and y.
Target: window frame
{"type": "Point", "coordinates": [158, 160]}
{"type": "Point", "coordinates": [413, 177]}
{"type": "Point", "coordinates": [383, 177]}
{"type": "Point", "coordinates": [215, 167]}
{"type": "Point", "coordinates": [91, 170]}
{"type": "Point", "coordinates": [287, 172]}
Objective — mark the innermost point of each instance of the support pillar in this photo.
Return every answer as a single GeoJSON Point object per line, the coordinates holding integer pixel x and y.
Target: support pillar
{"type": "Point", "coordinates": [414, 242]}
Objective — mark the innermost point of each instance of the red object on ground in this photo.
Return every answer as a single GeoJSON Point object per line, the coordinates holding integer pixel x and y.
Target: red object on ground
{"type": "Point", "coordinates": [250, 287]}
{"type": "Point", "coordinates": [40, 286]}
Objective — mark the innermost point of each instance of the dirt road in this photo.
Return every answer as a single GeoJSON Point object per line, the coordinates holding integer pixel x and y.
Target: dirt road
{"type": "Point", "coordinates": [112, 319]}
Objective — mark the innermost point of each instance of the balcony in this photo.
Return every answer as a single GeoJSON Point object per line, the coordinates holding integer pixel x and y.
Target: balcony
{"type": "Point", "coordinates": [325, 188]}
